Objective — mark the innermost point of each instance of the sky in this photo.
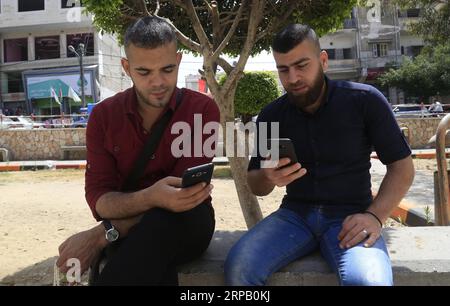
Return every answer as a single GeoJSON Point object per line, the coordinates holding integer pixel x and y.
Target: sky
{"type": "Point", "coordinates": [191, 64]}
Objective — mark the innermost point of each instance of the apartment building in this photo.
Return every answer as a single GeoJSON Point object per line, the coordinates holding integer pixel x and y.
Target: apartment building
{"type": "Point", "coordinates": [375, 38]}
{"type": "Point", "coordinates": [36, 62]}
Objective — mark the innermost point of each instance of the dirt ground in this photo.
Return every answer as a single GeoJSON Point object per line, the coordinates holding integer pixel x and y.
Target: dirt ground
{"type": "Point", "coordinates": [39, 210]}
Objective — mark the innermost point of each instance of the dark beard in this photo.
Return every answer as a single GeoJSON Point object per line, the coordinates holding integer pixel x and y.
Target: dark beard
{"type": "Point", "coordinates": [144, 100]}
{"type": "Point", "coordinates": [310, 97]}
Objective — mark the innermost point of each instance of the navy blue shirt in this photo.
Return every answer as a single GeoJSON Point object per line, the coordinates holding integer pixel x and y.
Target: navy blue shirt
{"type": "Point", "coordinates": [334, 144]}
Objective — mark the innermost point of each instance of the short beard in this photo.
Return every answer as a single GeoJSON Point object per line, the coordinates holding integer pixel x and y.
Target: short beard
{"type": "Point", "coordinates": [146, 101]}
{"type": "Point", "coordinates": [302, 101]}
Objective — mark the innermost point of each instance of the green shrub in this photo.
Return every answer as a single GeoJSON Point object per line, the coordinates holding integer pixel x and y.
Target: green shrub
{"type": "Point", "coordinates": [255, 90]}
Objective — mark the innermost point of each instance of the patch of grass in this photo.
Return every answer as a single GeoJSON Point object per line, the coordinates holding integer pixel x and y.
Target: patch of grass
{"type": "Point", "coordinates": [222, 172]}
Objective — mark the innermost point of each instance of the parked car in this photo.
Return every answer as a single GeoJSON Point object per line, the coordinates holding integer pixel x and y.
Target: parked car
{"type": "Point", "coordinates": [410, 111]}
{"type": "Point", "coordinates": [28, 123]}
{"type": "Point", "coordinates": [80, 123]}
{"type": "Point", "coordinates": [8, 123]}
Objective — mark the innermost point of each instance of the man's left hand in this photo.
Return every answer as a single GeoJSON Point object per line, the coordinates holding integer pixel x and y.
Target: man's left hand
{"type": "Point", "coordinates": [357, 228]}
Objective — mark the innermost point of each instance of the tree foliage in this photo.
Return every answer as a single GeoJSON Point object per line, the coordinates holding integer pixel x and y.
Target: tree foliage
{"type": "Point", "coordinates": [434, 22]}
{"type": "Point", "coordinates": [255, 90]}
{"type": "Point", "coordinates": [425, 76]}
{"type": "Point", "coordinates": [114, 16]}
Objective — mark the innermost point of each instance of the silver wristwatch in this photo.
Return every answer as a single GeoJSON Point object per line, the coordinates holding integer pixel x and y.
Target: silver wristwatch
{"type": "Point", "coordinates": [111, 233]}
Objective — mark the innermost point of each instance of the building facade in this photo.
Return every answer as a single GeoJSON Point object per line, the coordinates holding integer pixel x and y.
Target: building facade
{"type": "Point", "coordinates": [374, 39]}
{"type": "Point", "coordinates": [37, 67]}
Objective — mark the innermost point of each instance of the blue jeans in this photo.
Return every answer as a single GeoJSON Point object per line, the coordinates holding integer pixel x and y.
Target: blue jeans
{"type": "Point", "coordinates": [285, 236]}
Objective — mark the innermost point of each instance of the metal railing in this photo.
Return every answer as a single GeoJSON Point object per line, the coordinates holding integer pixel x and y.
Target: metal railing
{"type": "Point", "coordinates": [442, 206]}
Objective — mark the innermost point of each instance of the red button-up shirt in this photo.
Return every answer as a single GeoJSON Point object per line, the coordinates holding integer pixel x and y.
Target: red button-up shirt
{"type": "Point", "coordinates": [115, 137]}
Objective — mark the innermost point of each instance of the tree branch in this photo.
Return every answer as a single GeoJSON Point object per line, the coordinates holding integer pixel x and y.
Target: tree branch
{"type": "Point", "coordinates": [196, 24]}
{"type": "Point", "coordinates": [216, 26]}
{"type": "Point", "coordinates": [225, 65]}
{"type": "Point", "coordinates": [158, 7]}
{"type": "Point", "coordinates": [144, 7]}
{"type": "Point", "coordinates": [230, 33]}
{"type": "Point", "coordinates": [270, 28]}
{"type": "Point", "coordinates": [256, 15]}
{"type": "Point", "coordinates": [189, 43]}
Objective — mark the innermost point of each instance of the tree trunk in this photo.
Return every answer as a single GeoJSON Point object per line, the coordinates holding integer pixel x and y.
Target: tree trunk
{"type": "Point", "coordinates": [248, 201]}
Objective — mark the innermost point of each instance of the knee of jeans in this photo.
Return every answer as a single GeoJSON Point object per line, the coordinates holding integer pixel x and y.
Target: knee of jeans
{"type": "Point", "coordinates": [367, 277]}
{"type": "Point", "coordinates": [241, 270]}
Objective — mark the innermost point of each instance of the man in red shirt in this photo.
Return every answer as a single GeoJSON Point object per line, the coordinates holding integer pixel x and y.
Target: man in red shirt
{"type": "Point", "coordinates": [160, 224]}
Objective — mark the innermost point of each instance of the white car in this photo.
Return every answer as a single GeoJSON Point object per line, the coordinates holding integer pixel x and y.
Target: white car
{"type": "Point", "coordinates": [19, 123]}
{"type": "Point", "coordinates": [410, 111]}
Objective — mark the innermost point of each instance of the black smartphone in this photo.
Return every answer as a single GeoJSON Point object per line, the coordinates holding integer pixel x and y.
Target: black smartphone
{"type": "Point", "coordinates": [198, 174]}
{"type": "Point", "coordinates": [285, 149]}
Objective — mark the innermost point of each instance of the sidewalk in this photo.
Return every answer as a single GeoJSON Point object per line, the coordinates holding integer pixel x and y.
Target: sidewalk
{"type": "Point", "coordinates": [411, 210]}
{"type": "Point", "coordinates": [421, 194]}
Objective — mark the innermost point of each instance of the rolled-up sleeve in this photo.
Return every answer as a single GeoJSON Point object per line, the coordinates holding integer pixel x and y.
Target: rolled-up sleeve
{"type": "Point", "coordinates": [384, 132]}
{"type": "Point", "coordinates": [101, 171]}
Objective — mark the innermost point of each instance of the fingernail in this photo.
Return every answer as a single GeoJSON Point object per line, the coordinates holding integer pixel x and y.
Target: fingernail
{"type": "Point", "coordinates": [347, 246]}
{"type": "Point", "coordinates": [366, 245]}
{"type": "Point", "coordinates": [341, 246]}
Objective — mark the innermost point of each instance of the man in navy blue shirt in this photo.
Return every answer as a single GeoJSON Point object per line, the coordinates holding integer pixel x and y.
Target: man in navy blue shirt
{"type": "Point", "coordinates": [334, 126]}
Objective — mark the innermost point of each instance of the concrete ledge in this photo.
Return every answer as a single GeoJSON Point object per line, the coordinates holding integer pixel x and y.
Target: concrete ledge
{"type": "Point", "coordinates": [420, 256]}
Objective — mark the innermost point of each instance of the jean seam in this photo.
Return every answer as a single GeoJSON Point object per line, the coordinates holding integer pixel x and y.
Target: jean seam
{"type": "Point", "coordinates": [333, 256]}
{"type": "Point", "coordinates": [272, 267]}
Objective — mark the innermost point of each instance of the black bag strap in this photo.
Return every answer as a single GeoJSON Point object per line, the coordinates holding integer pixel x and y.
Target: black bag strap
{"type": "Point", "coordinates": [131, 183]}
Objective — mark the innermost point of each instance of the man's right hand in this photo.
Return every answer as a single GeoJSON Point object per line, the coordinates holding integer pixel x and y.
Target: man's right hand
{"type": "Point", "coordinates": [283, 175]}
{"type": "Point", "coordinates": [84, 246]}
{"type": "Point", "coordinates": [168, 194]}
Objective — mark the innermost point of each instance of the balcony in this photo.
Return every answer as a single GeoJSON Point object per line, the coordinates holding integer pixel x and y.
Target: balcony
{"type": "Point", "coordinates": [343, 64]}
{"type": "Point", "coordinates": [48, 63]}
{"type": "Point", "coordinates": [350, 24]}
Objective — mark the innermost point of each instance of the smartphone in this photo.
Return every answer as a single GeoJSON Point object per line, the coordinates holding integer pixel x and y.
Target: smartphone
{"type": "Point", "coordinates": [198, 174]}
{"type": "Point", "coordinates": [285, 149]}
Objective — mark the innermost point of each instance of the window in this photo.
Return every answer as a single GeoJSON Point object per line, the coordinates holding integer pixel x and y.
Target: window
{"type": "Point", "coordinates": [331, 53]}
{"type": "Point", "coordinates": [15, 83]}
{"type": "Point", "coordinates": [75, 39]}
{"type": "Point", "coordinates": [379, 50]}
{"type": "Point", "coordinates": [47, 47]}
{"type": "Point", "coordinates": [413, 51]}
{"type": "Point", "coordinates": [31, 5]}
{"type": "Point", "coordinates": [413, 12]}
{"type": "Point", "coordinates": [348, 54]}
{"type": "Point", "coordinates": [71, 3]}
{"type": "Point", "coordinates": [15, 50]}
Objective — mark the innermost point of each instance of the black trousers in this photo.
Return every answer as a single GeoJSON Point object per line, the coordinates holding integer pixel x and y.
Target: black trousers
{"type": "Point", "coordinates": [154, 247]}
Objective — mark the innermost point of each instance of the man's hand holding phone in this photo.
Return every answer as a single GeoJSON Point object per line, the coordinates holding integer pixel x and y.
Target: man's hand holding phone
{"type": "Point", "coordinates": [168, 194]}
{"type": "Point", "coordinates": [287, 169]}
{"type": "Point", "coordinates": [283, 174]}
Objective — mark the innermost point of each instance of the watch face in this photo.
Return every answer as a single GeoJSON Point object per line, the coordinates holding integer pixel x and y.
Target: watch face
{"type": "Point", "coordinates": [112, 235]}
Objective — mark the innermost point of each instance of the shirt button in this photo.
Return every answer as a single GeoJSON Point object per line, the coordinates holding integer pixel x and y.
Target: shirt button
{"type": "Point", "coordinates": [152, 157]}
{"type": "Point", "coordinates": [116, 149]}
{"type": "Point", "coordinates": [144, 131]}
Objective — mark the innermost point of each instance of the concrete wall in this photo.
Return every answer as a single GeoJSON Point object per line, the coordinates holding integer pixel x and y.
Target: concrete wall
{"type": "Point", "coordinates": [420, 130]}
{"type": "Point", "coordinates": [45, 144]}
{"type": "Point", "coordinates": [41, 144]}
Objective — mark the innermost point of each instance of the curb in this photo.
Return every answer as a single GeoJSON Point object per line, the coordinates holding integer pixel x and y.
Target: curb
{"type": "Point", "coordinates": [404, 211]}
{"type": "Point", "coordinates": [9, 167]}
